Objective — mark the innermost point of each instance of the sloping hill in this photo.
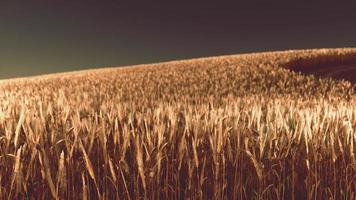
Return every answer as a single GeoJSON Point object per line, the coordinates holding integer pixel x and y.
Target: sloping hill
{"type": "Point", "coordinates": [237, 75]}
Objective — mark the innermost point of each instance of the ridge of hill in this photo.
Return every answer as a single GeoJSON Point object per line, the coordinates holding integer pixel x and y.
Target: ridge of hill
{"type": "Point", "coordinates": [272, 73]}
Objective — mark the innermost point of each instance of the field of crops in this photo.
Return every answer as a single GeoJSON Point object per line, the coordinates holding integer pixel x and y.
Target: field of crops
{"type": "Point", "coordinates": [231, 127]}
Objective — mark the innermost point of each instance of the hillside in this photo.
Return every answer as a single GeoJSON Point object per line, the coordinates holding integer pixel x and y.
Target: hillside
{"type": "Point", "coordinates": [236, 75]}
{"type": "Point", "coordinates": [243, 126]}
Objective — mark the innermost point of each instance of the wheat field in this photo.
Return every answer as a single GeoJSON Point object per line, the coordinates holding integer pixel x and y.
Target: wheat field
{"type": "Point", "coordinates": [230, 127]}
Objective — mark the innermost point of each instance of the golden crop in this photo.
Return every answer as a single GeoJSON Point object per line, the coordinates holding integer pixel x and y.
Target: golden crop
{"type": "Point", "coordinates": [231, 127]}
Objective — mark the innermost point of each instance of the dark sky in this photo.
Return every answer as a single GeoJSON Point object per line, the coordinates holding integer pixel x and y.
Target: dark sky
{"type": "Point", "coordinates": [44, 36]}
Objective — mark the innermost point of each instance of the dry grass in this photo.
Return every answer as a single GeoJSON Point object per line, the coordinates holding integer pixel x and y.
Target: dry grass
{"type": "Point", "coordinates": [233, 127]}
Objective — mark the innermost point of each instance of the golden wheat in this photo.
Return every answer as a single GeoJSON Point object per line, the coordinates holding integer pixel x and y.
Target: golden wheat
{"type": "Point", "coordinates": [232, 127]}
